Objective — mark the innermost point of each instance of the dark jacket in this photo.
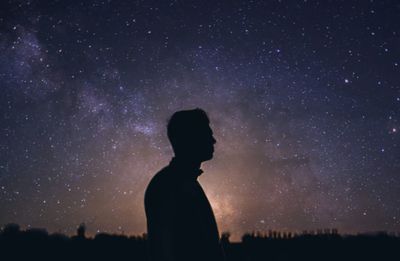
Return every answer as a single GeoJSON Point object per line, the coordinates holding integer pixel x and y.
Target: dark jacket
{"type": "Point", "coordinates": [180, 221]}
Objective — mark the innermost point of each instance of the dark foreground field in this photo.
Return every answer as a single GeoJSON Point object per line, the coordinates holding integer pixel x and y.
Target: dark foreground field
{"type": "Point", "coordinates": [37, 244]}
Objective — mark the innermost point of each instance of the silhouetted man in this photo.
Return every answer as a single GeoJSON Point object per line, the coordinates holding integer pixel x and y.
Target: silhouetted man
{"type": "Point", "coordinates": [180, 221]}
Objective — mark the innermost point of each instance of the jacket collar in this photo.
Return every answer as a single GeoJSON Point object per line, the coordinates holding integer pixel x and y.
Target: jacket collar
{"type": "Point", "coordinates": [184, 168]}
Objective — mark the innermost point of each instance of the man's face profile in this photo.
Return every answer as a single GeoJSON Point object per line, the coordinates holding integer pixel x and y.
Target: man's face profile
{"type": "Point", "coordinates": [204, 143]}
{"type": "Point", "coordinates": [191, 136]}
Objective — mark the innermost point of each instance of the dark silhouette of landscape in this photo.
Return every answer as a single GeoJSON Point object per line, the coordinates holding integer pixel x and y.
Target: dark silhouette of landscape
{"type": "Point", "coordinates": [328, 244]}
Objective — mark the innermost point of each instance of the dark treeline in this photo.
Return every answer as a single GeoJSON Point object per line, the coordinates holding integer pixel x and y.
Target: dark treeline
{"type": "Point", "coordinates": [327, 244]}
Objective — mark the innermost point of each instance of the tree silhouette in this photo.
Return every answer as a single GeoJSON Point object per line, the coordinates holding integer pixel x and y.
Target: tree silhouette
{"type": "Point", "coordinates": [325, 244]}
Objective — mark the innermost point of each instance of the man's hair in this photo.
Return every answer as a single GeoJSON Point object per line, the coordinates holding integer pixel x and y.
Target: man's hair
{"type": "Point", "coordinates": [183, 126]}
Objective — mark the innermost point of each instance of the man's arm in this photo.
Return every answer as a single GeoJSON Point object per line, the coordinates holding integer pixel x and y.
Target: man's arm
{"type": "Point", "coordinates": [161, 208]}
{"type": "Point", "coordinates": [177, 237]}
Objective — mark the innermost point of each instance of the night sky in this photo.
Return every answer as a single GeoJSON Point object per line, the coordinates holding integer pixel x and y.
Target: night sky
{"type": "Point", "coordinates": [303, 97]}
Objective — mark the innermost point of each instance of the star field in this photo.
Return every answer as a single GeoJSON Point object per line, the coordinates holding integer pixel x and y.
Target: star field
{"type": "Point", "coordinates": [303, 97]}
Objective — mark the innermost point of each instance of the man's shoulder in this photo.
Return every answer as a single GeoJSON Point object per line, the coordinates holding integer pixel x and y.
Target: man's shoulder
{"type": "Point", "coordinates": [160, 184]}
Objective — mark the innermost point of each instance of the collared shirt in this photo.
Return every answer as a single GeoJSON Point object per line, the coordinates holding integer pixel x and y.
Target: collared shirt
{"type": "Point", "coordinates": [180, 221]}
{"type": "Point", "coordinates": [184, 170]}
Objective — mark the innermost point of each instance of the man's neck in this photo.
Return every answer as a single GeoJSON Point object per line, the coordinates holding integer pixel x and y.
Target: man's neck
{"type": "Point", "coordinates": [187, 162]}
{"type": "Point", "coordinates": [187, 166]}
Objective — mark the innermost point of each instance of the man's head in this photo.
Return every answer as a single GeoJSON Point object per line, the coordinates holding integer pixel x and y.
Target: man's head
{"type": "Point", "coordinates": [190, 135]}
